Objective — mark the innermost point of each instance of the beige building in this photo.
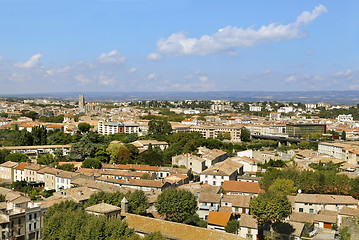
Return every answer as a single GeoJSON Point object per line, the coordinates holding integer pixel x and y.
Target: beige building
{"type": "Point", "coordinates": [190, 161]}
{"type": "Point", "coordinates": [19, 172]}
{"type": "Point", "coordinates": [7, 170]}
{"type": "Point", "coordinates": [212, 131]}
{"type": "Point", "coordinates": [50, 177]}
{"type": "Point", "coordinates": [104, 209]}
{"type": "Point", "coordinates": [238, 203]}
{"type": "Point", "coordinates": [30, 172]}
{"type": "Point", "coordinates": [313, 203]}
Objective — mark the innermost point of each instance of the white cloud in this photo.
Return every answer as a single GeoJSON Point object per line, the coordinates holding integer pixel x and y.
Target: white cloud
{"type": "Point", "coordinates": [347, 73]}
{"type": "Point", "coordinates": [106, 80]}
{"type": "Point", "coordinates": [154, 56]}
{"type": "Point", "coordinates": [232, 54]}
{"type": "Point", "coordinates": [17, 77]}
{"type": "Point", "coordinates": [32, 62]}
{"type": "Point", "coordinates": [152, 76]}
{"type": "Point", "coordinates": [265, 73]}
{"type": "Point", "coordinates": [307, 17]}
{"type": "Point", "coordinates": [82, 79]}
{"type": "Point", "coordinates": [132, 70]}
{"type": "Point", "coordinates": [313, 78]}
{"type": "Point", "coordinates": [354, 87]}
{"type": "Point", "coordinates": [231, 38]}
{"type": "Point", "coordinates": [189, 76]}
{"type": "Point", "coordinates": [203, 79]}
{"type": "Point", "coordinates": [291, 78]}
{"type": "Point", "coordinates": [52, 72]}
{"type": "Point", "coordinates": [112, 57]}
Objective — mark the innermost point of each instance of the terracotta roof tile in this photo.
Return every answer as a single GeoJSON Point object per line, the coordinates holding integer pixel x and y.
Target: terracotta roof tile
{"type": "Point", "coordinates": [238, 186]}
{"type": "Point", "coordinates": [219, 218]}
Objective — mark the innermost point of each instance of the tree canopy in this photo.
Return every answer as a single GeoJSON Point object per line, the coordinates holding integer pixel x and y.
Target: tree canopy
{"type": "Point", "coordinates": [84, 127]}
{"type": "Point", "coordinates": [17, 157]}
{"type": "Point", "coordinates": [269, 208]}
{"type": "Point", "coordinates": [159, 127]}
{"type": "Point", "coordinates": [91, 163]}
{"type": "Point", "coordinates": [68, 220]}
{"type": "Point", "coordinates": [176, 204]}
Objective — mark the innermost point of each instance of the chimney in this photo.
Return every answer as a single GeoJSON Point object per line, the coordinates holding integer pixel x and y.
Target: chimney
{"type": "Point", "coordinates": [124, 205]}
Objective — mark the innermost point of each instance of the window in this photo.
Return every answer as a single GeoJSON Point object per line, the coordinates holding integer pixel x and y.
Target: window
{"type": "Point", "coordinates": [29, 226]}
{"type": "Point", "coordinates": [34, 215]}
{"type": "Point", "coordinates": [300, 209]}
{"type": "Point", "coordinates": [30, 216]}
{"type": "Point", "coordinates": [214, 183]}
{"type": "Point", "coordinates": [311, 210]}
{"type": "Point", "coordinates": [34, 225]}
{"type": "Point", "coordinates": [222, 177]}
{"type": "Point", "coordinates": [206, 176]}
{"type": "Point", "coordinates": [19, 221]}
{"type": "Point", "coordinates": [19, 231]}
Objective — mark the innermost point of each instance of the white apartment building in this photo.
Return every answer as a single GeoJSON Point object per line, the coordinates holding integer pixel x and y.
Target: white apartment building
{"type": "Point", "coordinates": [345, 118]}
{"type": "Point", "coordinates": [106, 128]}
{"type": "Point", "coordinates": [332, 149]}
{"type": "Point", "coordinates": [313, 203]}
{"type": "Point", "coordinates": [286, 109]}
{"type": "Point", "coordinates": [255, 108]}
{"type": "Point", "coordinates": [63, 179]}
{"type": "Point", "coordinates": [310, 105]}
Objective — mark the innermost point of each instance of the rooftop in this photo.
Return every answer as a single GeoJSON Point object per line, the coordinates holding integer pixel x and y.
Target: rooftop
{"type": "Point", "coordinates": [238, 186]}
{"type": "Point", "coordinates": [103, 208]}
{"type": "Point", "coordinates": [219, 218]}
{"type": "Point", "coordinates": [173, 230]}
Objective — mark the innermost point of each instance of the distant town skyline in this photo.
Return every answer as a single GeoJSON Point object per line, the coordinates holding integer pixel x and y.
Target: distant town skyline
{"type": "Point", "coordinates": [180, 45]}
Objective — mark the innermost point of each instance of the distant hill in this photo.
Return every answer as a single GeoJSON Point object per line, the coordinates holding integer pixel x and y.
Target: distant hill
{"type": "Point", "coordinates": [332, 97]}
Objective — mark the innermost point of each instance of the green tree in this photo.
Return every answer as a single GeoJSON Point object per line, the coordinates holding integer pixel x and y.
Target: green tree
{"type": "Point", "coordinates": [354, 191]}
{"type": "Point", "coordinates": [153, 156]}
{"type": "Point", "coordinates": [91, 163]}
{"type": "Point", "coordinates": [45, 159]}
{"type": "Point", "coordinates": [102, 155]}
{"type": "Point", "coordinates": [117, 152]}
{"type": "Point", "coordinates": [269, 177]}
{"type": "Point", "coordinates": [232, 226]}
{"type": "Point", "coordinates": [39, 135]}
{"type": "Point", "coordinates": [220, 136]}
{"type": "Point", "coordinates": [227, 136]}
{"type": "Point", "coordinates": [68, 220]}
{"type": "Point", "coordinates": [159, 127]}
{"type": "Point", "coordinates": [283, 186]}
{"type": "Point", "coordinates": [84, 127]}
{"type": "Point", "coordinates": [154, 236]}
{"type": "Point", "coordinates": [137, 202]}
{"type": "Point", "coordinates": [147, 176]}
{"type": "Point", "coordinates": [17, 157]}
{"type": "Point", "coordinates": [270, 208]}
{"type": "Point", "coordinates": [2, 198]}
{"type": "Point", "coordinates": [345, 234]}
{"type": "Point", "coordinates": [31, 114]}
{"type": "Point", "coordinates": [3, 154]}
{"type": "Point", "coordinates": [176, 205]}
{"type": "Point", "coordinates": [343, 136]}
{"type": "Point", "coordinates": [66, 167]}
{"type": "Point", "coordinates": [245, 135]}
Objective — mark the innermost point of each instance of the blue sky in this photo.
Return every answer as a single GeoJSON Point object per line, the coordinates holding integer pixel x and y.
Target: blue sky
{"type": "Point", "coordinates": [178, 45]}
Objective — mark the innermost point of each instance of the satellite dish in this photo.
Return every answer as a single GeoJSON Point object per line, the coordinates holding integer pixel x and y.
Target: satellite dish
{"type": "Point", "coordinates": [299, 191]}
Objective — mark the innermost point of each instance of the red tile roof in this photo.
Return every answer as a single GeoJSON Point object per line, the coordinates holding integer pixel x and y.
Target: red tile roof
{"type": "Point", "coordinates": [238, 186]}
